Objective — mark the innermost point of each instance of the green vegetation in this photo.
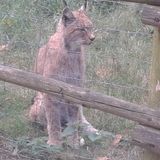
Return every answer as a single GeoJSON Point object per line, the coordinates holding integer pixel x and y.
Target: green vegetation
{"type": "Point", "coordinates": [117, 62]}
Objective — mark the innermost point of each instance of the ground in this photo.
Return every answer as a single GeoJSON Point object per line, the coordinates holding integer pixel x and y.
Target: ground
{"type": "Point", "coordinates": [28, 149]}
{"type": "Point", "coordinates": [19, 139]}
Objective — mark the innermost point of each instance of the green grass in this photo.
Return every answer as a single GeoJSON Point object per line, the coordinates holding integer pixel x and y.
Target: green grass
{"type": "Point", "coordinates": [117, 63]}
{"type": "Point", "coordinates": [13, 119]}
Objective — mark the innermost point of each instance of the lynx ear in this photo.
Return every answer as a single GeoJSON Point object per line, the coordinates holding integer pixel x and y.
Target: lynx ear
{"type": "Point", "coordinates": [68, 16]}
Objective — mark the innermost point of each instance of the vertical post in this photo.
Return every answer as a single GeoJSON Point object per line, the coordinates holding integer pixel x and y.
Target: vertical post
{"type": "Point", "coordinates": [154, 96]}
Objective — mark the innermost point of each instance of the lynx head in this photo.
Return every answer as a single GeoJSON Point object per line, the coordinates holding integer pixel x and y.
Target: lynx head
{"type": "Point", "coordinates": [78, 28]}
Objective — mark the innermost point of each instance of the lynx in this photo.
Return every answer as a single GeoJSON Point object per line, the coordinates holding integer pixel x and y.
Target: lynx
{"type": "Point", "coordinates": [62, 58]}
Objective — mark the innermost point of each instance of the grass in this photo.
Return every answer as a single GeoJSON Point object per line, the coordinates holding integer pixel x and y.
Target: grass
{"type": "Point", "coordinates": [13, 120]}
{"type": "Point", "coordinates": [117, 64]}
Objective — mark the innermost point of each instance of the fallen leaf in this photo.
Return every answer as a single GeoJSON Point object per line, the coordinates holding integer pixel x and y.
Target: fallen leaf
{"type": "Point", "coordinates": [3, 47]}
{"type": "Point", "coordinates": [15, 151]}
{"type": "Point", "coordinates": [117, 139]}
{"type": "Point", "coordinates": [103, 158]}
{"type": "Point", "coordinates": [103, 72]}
{"type": "Point", "coordinates": [157, 86]}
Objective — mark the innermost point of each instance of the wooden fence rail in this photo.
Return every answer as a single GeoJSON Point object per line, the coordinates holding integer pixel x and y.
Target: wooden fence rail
{"type": "Point", "coordinates": [151, 15]}
{"type": "Point", "coordinates": [148, 138]}
{"type": "Point", "coordinates": [143, 115]}
{"type": "Point", "coordinates": [150, 2]}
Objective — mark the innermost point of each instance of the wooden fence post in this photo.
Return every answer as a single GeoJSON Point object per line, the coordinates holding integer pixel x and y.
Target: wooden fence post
{"type": "Point", "coordinates": [151, 16]}
{"type": "Point", "coordinates": [154, 96]}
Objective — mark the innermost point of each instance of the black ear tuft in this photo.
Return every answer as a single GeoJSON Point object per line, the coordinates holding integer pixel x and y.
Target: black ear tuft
{"type": "Point", "coordinates": [65, 3]}
{"type": "Point", "coordinates": [85, 4]}
{"type": "Point", "coordinates": [68, 16]}
{"type": "Point", "coordinates": [84, 7]}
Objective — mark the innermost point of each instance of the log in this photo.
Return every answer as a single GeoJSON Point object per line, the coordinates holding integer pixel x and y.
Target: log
{"type": "Point", "coordinates": [85, 97]}
{"type": "Point", "coordinates": [150, 2]}
{"type": "Point", "coordinates": [147, 137]}
{"type": "Point", "coordinates": [151, 16]}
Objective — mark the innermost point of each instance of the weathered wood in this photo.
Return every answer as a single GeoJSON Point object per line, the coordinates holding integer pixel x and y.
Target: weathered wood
{"type": "Point", "coordinates": [146, 137]}
{"type": "Point", "coordinates": [154, 96]}
{"type": "Point", "coordinates": [150, 2]}
{"type": "Point", "coordinates": [151, 15]}
{"type": "Point", "coordinates": [154, 100]}
{"type": "Point", "coordinates": [143, 115]}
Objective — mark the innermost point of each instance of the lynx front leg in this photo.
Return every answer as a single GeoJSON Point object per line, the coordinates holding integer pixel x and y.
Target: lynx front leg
{"type": "Point", "coordinates": [73, 112]}
{"type": "Point", "coordinates": [53, 121]}
{"type": "Point", "coordinates": [87, 126]}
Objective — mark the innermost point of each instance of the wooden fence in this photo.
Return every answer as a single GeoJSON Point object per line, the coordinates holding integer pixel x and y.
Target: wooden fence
{"type": "Point", "coordinates": [150, 2]}
{"type": "Point", "coordinates": [147, 133]}
{"type": "Point", "coordinates": [149, 118]}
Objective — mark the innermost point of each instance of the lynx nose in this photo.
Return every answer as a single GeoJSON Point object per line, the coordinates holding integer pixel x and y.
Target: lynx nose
{"type": "Point", "coordinates": [92, 37]}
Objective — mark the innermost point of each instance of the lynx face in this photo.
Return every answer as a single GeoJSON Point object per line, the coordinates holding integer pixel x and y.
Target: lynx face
{"type": "Point", "coordinates": [78, 27]}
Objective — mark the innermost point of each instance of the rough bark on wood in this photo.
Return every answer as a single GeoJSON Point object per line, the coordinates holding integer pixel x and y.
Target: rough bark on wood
{"type": "Point", "coordinates": [154, 96]}
{"type": "Point", "coordinates": [154, 100]}
{"type": "Point", "coordinates": [151, 15]}
{"type": "Point", "coordinates": [150, 2]}
{"type": "Point", "coordinates": [146, 137]}
{"type": "Point", "coordinates": [143, 115]}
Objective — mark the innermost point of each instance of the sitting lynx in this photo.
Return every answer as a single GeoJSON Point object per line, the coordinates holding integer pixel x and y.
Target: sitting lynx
{"type": "Point", "coordinates": [62, 58]}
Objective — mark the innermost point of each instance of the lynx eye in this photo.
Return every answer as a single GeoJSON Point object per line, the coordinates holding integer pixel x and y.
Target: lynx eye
{"type": "Point", "coordinates": [83, 29]}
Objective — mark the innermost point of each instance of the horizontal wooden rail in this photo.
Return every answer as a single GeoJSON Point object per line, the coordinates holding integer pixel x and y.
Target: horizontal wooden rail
{"type": "Point", "coordinates": [146, 137]}
{"type": "Point", "coordinates": [150, 2]}
{"type": "Point", "coordinates": [151, 15]}
{"type": "Point", "coordinates": [87, 98]}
